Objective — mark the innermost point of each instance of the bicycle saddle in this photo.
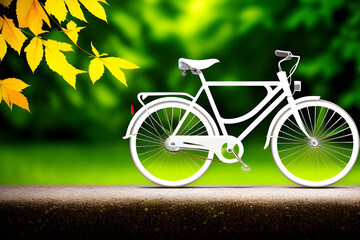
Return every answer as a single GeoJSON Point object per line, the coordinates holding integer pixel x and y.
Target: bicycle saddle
{"type": "Point", "coordinates": [188, 64]}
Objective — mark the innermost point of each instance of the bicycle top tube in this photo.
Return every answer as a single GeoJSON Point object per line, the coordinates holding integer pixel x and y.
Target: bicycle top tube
{"type": "Point", "coordinates": [242, 83]}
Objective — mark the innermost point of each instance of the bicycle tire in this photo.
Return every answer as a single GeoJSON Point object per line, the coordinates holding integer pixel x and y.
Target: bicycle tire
{"type": "Point", "coordinates": [328, 156]}
{"type": "Point", "coordinates": [152, 128]}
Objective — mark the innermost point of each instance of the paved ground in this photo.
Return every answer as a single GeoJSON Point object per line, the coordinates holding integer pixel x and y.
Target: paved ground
{"type": "Point", "coordinates": [202, 212]}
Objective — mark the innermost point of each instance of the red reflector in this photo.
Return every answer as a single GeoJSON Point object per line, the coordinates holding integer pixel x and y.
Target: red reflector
{"type": "Point", "coordinates": [132, 109]}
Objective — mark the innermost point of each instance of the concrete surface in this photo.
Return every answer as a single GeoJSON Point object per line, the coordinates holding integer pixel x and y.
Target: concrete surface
{"type": "Point", "coordinates": [63, 193]}
{"type": "Point", "coordinates": [200, 212]}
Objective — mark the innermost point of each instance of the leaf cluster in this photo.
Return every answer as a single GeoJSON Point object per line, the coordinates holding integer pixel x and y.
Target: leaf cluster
{"type": "Point", "coordinates": [34, 16]}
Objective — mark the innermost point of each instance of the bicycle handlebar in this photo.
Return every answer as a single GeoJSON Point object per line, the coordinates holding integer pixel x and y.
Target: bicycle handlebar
{"type": "Point", "coordinates": [281, 53]}
{"type": "Point", "coordinates": [287, 55]}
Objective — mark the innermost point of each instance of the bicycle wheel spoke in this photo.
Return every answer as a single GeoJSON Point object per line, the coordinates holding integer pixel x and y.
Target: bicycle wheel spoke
{"type": "Point", "coordinates": [147, 146]}
{"type": "Point", "coordinates": [151, 138]}
{"type": "Point", "coordinates": [331, 161]}
{"type": "Point", "coordinates": [180, 133]}
{"type": "Point", "coordinates": [288, 149]}
{"type": "Point", "coordinates": [141, 139]}
{"type": "Point", "coordinates": [293, 143]}
{"type": "Point", "coordinates": [304, 160]}
{"type": "Point", "coordinates": [305, 152]}
{"type": "Point", "coordinates": [156, 137]}
{"type": "Point", "coordinates": [331, 145]}
{"type": "Point", "coordinates": [337, 131]}
{"type": "Point", "coordinates": [187, 162]}
{"type": "Point", "coordinates": [172, 120]}
{"type": "Point", "coordinates": [201, 133]}
{"type": "Point", "coordinates": [328, 140]}
{"type": "Point", "coordinates": [157, 159]}
{"type": "Point", "coordinates": [197, 149]}
{"type": "Point", "coordinates": [307, 109]}
{"type": "Point", "coordinates": [294, 153]}
{"type": "Point", "coordinates": [336, 152]}
{"type": "Point", "coordinates": [293, 136]}
{"type": "Point", "coordinates": [322, 120]}
{"type": "Point", "coordinates": [330, 127]}
{"type": "Point", "coordinates": [162, 126]}
{"type": "Point", "coordinates": [154, 149]}
{"type": "Point", "coordinates": [333, 156]}
{"type": "Point", "coordinates": [290, 139]}
{"type": "Point", "coordinates": [326, 124]}
{"type": "Point", "coordinates": [304, 121]}
{"type": "Point", "coordinates": [152, 126]}
{"type": "Point", "coordinates": [292, 129]}
{"type": "Point", "coordinates": [314, 120]}
{"type": "Point", "coordinates": [192, 127]}
{"type": "Point", "coordinates": [152, 156]}
{"type": "Point", "coordinates": [168, 121]}
{"type": "Point", "coordinates": [325, 162]}
{"type": "Point", "coordinates": [196, 130]}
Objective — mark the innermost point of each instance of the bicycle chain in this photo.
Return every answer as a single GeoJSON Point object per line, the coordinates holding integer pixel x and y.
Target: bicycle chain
{"type": "Point", "coordinates": [194, 155]}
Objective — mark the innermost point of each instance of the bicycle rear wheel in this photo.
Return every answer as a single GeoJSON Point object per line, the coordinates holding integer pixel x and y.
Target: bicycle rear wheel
{"type": "Point", "coordinates": [325, 158]}
{"type": "Point", "coordinates": [152, 129]}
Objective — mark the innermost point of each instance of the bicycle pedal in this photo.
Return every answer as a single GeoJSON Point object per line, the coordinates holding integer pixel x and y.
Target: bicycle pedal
{"type": "Point", "coordinates": [246, 168]}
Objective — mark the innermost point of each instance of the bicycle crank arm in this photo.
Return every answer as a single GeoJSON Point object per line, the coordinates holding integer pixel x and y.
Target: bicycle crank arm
{"type": "Point", "coordinates": [211, 143]}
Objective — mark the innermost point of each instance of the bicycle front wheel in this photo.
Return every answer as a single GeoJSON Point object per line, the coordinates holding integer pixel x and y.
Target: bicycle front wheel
{"type": "Point", "coordinates": [151, 130]}
{"type": "Point", "coordinates": [325, 158]}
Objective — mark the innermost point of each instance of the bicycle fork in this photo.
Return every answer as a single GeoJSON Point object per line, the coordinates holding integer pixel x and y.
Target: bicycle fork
{"type": "Point", "coordinates": [293, 108]}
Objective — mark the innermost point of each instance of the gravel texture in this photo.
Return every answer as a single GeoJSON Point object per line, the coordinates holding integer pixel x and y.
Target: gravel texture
{"type": "Point", "coordinates": [200, 212]}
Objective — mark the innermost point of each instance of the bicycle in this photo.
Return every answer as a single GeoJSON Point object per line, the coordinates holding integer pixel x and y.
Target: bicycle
{"type": "Point", "coordinates": [173, 140]}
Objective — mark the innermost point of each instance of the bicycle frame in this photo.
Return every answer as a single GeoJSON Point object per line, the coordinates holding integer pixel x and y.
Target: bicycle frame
{"type": "Point", "coordinates": [217, 143]}
{"type": "Point", "coordinates": [271, 93]}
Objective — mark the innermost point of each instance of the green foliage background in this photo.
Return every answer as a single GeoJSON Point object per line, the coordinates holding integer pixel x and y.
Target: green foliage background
{"type": "Point", "coordinates": [75, 137]}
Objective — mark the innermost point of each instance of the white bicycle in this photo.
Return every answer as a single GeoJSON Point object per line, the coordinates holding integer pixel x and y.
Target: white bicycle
{"type": "Point", "coordinates": [173, 139]}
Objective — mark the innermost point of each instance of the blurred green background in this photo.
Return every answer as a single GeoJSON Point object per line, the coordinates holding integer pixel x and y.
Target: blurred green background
{"type": "Point", "coordinates": [75, 136]}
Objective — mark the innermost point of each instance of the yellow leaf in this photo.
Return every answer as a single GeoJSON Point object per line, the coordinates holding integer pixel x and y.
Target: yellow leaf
{"type": "Point", "coordinates": [3, 47]}
{"type": "Point", "coordinates": [75, 9]}
{"type": "Point", "coordinates": [94, 50]}
{"type": "Point", "coordinates": [58, 63]}
{"type": "Point", "coordinates": [14, 84]}
{"type": "Point", "coordinates": [103, 1]}
{"type": "Point", "coordinates": [72, 31]}
{"type": "Point", "coordinates": [34, 53]}
{"type": "Point", "coordinates": [5, 96]}
{"type": "Point", "coordinates": [11, 92]}
{"type": "Point", "coordinates": [12, 35]}
{"type": "Point", "coordinates": [61, 46]}
{"type": "Point", "coordinates": [116, 72]}
{"type": "Point", "coordinates": [96, 69]}
{"type": "Point", "coordinates": [56, 8]}
{"type": "Point", "coordinates": [95, 8]}
{"type": "Point", "coordinates": [1, 22]}
{"type": "Point", "coordinates": [120, 63]}
{"type": "Point", "coordinates": [19, 99]}
{"type": "Point", "coordinates": [5, 3]}
{"type": "Point", "coordinates": [30, 14]}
